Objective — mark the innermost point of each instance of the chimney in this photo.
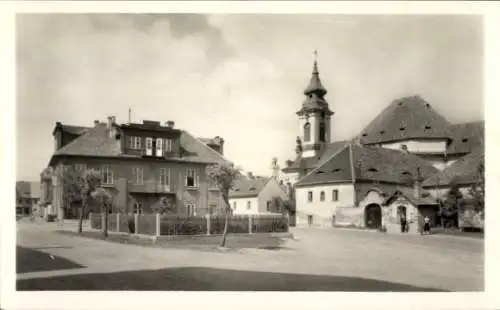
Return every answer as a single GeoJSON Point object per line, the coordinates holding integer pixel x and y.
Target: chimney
{"type": "Point", "coordinates": [417, 185]}
{"type": "Point", "coordinates": [170, 124]}
{"type": "Point", "coordinates": [96, 123]}
{"type": "Point", "coordinates": [250, 175]}
{"type": "Point", "coordinates": [111, 121]}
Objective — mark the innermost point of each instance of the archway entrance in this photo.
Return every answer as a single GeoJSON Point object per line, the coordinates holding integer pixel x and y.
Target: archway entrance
{"type": "Point", "coordinates": [373, 216]}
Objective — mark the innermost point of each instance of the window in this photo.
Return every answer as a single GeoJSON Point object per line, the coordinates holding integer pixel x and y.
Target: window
{"type": "Point", "coordinates": [307, 132]}
{"type": "Point", "coordinates": [310, 196]}
{"type": "Point", "coordinates": [135, 143]}
{"type": "Point", "coordinates": [335, 195]}
{"type": "Point", "coordinates": [212, 207]}
{"type": "Point", "coordinates": [107, 175]}
{"type": "Point", "coordinates": [164, 176]}
{"type": "Point", "coordinates": [322, 132]}
{"type": "Point", "coordinates": [168, 145]}
{"type": "Point", "coordinates": [322, 196]}
{"type": "Point", "coordinates": [234, 205]}
{"type": "Point", "coordinates": [149, 146]}
{"type": "Point", "coordinates": [138, 176]}
{"type": "Point", "coordinates": [191, 178]}
{"type": "Point", "coordinates": [249, 205]}
{"type": "Point", "coordinates": [190, 209]}
{"type": "Point", "coordinates": [137, 208]}
{"type": "Point", "coordinates": [268, 205]}
{"type": "Point", "coordinates": [159, 147]}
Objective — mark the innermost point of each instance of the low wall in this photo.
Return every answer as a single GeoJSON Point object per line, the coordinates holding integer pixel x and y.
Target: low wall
{"type": "Point", "coordinates": [349, 217]}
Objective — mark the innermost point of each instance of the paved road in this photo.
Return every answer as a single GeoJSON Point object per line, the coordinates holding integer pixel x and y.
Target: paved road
{"type": "Point", "coordinates": [429, 262]}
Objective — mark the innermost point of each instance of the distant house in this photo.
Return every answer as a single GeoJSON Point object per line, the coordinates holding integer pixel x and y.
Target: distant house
{"type": "Point", "coordinates": [140, 163]}
{"type": "Point", "coordinates": [27, 197]}
{"type": "Point", "coordinates": [257, 195]}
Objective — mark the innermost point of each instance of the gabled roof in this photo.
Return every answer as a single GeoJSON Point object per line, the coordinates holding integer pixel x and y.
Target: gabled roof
{"type": "Point", "coordinates": [406, 118]}
{"type": "Point", "coordinates": [97, 142]}
{"type": "Point", "coordinates": [462, 172]}
{"type": "Point", "coordinates": [409, 195]}
{"type": "Point", "coordinates": [245, 187]}
{"type": "Point", "coordinates": [466, 137]}
{"type": "Point", "coordinates": [368, 164]}
{"type": "Point", "coordinates": [312, 162]}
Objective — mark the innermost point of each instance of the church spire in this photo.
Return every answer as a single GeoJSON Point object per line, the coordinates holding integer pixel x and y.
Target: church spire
{"type": "Point", "coordinates": [315, 86]}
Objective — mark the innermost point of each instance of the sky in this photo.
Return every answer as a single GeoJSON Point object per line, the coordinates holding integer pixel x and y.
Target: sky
{"type": "Point", "coordinates": [240, 77]}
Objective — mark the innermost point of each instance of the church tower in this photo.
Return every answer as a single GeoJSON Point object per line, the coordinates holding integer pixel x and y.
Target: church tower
{"type": "Point", "coordinates": [314, 117]}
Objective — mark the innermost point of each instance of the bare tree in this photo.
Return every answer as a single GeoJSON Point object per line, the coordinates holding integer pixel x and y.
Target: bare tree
{"type": "Point", "coordinates": [223, 177]}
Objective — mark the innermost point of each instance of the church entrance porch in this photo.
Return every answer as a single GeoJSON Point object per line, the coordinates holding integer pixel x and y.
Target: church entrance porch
{"type": "Point", "coordinates": [373, 216]}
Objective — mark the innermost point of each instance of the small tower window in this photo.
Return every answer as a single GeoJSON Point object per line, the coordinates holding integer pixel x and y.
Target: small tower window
{"type": "Point", "coordinates": [307, 132]}
{"type": "Point", "coordinates": [322, 132]}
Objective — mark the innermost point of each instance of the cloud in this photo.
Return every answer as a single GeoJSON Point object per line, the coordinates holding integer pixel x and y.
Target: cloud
{"type": "Point", "coordinates": [237, 76]}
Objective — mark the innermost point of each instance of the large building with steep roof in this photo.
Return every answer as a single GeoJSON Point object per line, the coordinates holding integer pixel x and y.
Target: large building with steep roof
{"type": "Point", "coordinates": [140, 163]}
{"type": "Point", "coordinates": [408, 151]}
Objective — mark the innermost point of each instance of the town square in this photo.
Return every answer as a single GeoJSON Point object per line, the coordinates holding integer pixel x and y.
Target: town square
{"type": "Point", "coordinates": [250, 153]}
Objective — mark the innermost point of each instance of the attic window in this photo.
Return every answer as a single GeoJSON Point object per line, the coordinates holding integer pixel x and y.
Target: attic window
{"type": "Point", "coordinates": [373, 170]}
{"type": "Point", "coordinates": [252, 188]}
{"type": "Point", "coordinates": [336, 170]}
{"type": "Point", "coordinates": [405, 173]}
{"type": "Point", "coordinates": [427, 105]}
{"type": "Point", "coordinates": [465, 140]}
{"type": "Point", "coordinates": [400, 103]}
{"type": "Point", "coordinates": [427, 127]}
{"type": "Point", "coordinates": [382, 132]}
{"type": "Point", "coordinates": [402, 128]}
{"type": "Point", "coordinates": [319, 172]}
{"type": "Point", "coordinates": [364, 135]}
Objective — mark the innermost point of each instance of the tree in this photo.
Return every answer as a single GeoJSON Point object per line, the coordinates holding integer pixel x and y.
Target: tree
{"type": "Point", "coordinates": [449, 210]}
{"type": "Point", "coordinates": [223, 177]}
{"type": "Point", "coordinates": [477, 190]}
{"type": "Point", "coordinates": [91, 180]}
{"type": "Point", "coordinates": [164, 205]}
{"type": "Point", "coordinates": [105, 198]}
{"type": "Point", "coordinates": [72, 184]}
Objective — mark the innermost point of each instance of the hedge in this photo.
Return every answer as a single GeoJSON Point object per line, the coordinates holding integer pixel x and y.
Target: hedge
{"type": "Point", "coordinates": [125, 220]}
{"type": "Point", "coordinates": [95, 221]}
{"type": "Point", "coordinates": [183, 225]}
{"type": "Point", "coordinates": [112, 222]}
{"type": "Point", "coordinates": [146, 224]}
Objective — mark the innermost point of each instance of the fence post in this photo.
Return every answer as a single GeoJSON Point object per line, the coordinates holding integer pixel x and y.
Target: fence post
{"type": "Point", "coordinates": [250, 224]}
{"type": "Point", "coordinates": [90, 219]}
{"type": "Point", "coordinates": [157, 224]}
{"type": "Point", "coordinates": [208, 219]}
{"type": "Point", "coordinates": [118, 222]}
{"type": "Point", "coordinates": [136, 223]}
{"type": "Point", "coordinates": [102, 221]}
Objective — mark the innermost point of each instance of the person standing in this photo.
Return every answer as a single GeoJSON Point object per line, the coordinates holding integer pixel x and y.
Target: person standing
{"type": "Point", "coordinates": [402, 221]}
{"type": "Point", "coordinates": [427, 225]}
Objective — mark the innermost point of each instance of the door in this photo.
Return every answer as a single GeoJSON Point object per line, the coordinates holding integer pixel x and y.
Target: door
{"type": "Point", "coordinates": [373, 216]}
{"type": "Point", "coordinates": [309, 220]}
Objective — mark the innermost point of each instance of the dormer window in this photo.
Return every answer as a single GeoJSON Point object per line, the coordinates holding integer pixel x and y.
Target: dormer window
{"type": "Point", "coordinates": [427, 127]}
{"type": "Point", "coordinates": [364, 135]}
{"type": "Point", "coordinates": [405, 173]}
{"type": "Point", "coordinates": [402, 128]}
{"type": "Point", "coordinates": [372, 170]}
{"type": "Point", "coordinates": [252, 188]}
{"type": "Point", "coordinates": [382, 132]}
{"type": "Point", "coordinates": [336, 170]}
{"type": "Point", "coordinates": [465, 140]}
{"type": "Point", "coordinates": [400, 103]}
{"type": "Point", "coordinates": [319, 172]}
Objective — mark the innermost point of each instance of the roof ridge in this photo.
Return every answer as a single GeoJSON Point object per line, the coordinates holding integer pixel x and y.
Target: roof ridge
{"type": "Point", "coordinates": [205, 145]}
{"type": "Point", "coordinates": [326, 161]}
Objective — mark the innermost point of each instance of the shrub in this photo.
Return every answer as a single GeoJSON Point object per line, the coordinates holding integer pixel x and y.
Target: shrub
{"type": "Point", "coordinates": [95, 221]}
{"type": "Point", "coordinates": [183, 225]}
{"type": "Point", "coordinates": [147, 224]}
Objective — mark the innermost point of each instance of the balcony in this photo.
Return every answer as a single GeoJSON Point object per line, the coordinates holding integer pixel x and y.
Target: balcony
{"type": "Point", "coordinates": [151, 188]}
